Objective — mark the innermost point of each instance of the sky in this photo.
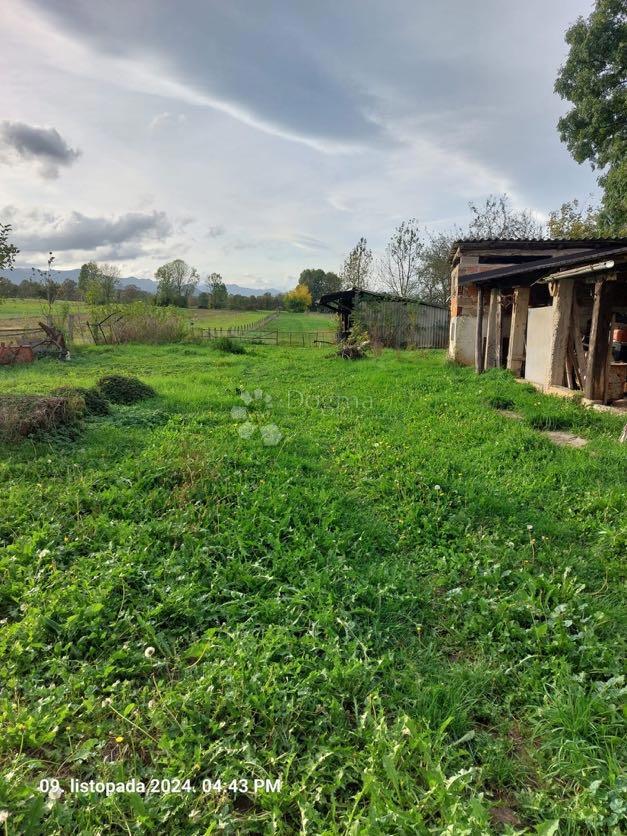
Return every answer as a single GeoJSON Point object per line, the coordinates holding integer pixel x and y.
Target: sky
{"type": "Point", "coordinates": [255, 138]}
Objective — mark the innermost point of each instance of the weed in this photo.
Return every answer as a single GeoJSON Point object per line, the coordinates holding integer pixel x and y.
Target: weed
{"type": "Point", "coordinates": [228, 345]}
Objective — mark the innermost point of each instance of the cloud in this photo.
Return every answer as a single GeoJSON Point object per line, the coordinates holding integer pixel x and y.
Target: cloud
{"type": "Point", "coordinates": [38, 230]}
{"type": "Point", "coordinates": [44, 145]}
{"type": "Point", "coordinates": [166, 120]}
{"type": "Point", "coordinates": [216, 231]}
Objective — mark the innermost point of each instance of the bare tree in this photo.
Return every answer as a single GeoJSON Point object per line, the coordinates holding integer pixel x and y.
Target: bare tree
{"type": "Point", "coordinates": [357, 266]}
{"type": "Point", "coordinates": [399, 269]}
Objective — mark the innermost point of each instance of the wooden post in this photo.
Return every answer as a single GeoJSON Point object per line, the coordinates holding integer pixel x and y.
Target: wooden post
{"type": "Point", "coordinates": [491, 336]}
{"type": "Point", "coordinates": [599, 341]}
{"type": "Point", "coordinates": [520, 310]}
{"type": "Point", "coordinates": [479, 331]}
{"type": "Point", "coordinates": [498, 332]}
{"type": "Point", "coordinates": [562, 314]}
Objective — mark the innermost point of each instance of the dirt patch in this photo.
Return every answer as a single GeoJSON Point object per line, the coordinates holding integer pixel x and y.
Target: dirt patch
{"type": "Point", "coordinates": [565, 439]}
{"type": "Point", "coordinates": [509, 413]}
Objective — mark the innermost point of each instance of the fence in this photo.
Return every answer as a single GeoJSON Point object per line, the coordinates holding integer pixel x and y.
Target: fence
{"type": "Point", "coordinates": [302, 339]}
{"type": "Point", "coordinates": [404, 324]}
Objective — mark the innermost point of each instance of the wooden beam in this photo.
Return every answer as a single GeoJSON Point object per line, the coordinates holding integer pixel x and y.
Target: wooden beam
{"type": "Point", "coordinates": [479, 331]}
{"type": "Point", "coordinates": [580, 354]}
{"type": "Point", "coordinates": [491, 336]}
{"type": "Point", "coordinates": [562, 315]}
{"type": "Point", "coordinates": [499, 332]}
{"type": "Point", "coordinates": [520, 310]}
{"type": "Point", "coordinates": [599, 341]}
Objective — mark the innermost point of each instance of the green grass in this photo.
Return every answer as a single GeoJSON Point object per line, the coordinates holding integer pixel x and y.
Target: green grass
{"type": "Point", "coordinates": [223, 319]}
{"type": "Point", "coordinates": [299, 322]}
{"type": "Point", "coordinates": [410, 609]}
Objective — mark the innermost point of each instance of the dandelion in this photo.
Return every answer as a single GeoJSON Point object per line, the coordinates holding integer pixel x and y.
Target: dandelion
{"type": "Point", "coordinates": [4, 815]}
{"type": "Point", "coordinates": [55, 793]}
{"type": "Point", "coordinates": [149, 652]}
{"type": "Point", "coordinates": [437, 488]}
{"type": "Point", "coordinates": [529, 527]}
{"type": "Point", "coordinates": [119, 739]}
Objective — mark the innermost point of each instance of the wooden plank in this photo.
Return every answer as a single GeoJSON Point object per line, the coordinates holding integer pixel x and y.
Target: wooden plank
{"type": "Point", "coordinates": [520, 311]}
{"type": "Point", "coordinates": [562, 315]}
{"type": "Point", "coordinates": [491, 336]}
{"type": "Point", "coordinates": [580, 354]}
{"type": "Point", "coordinates": [599, 341]}
{"type": "Point", "coordinates": [499, 333]}
{"type": "Point", "coordinates": [479, 332]}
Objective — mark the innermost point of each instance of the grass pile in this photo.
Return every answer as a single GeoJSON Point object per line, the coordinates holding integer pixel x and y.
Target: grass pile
{"type": "Point", "coordinates": [26, 415]}
{"type": "Point", "coordinates": [406, 611]}
{"type": "Point", "coordinates": [124, 389]}
{"type": "Point", "coordinates": [94, 402]}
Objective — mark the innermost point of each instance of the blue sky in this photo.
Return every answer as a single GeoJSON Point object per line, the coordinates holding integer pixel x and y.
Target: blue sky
{"type": "Point", "coordinates": [258, 138]}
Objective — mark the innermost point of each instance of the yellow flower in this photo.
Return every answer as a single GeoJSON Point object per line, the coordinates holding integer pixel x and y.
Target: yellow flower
{"type": "Point", "coordinates": [119, 739]}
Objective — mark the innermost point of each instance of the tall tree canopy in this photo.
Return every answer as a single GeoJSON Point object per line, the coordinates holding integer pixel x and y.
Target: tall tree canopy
{"type": "Point", "coordinates": [400, 267]}
{"type": "Point", "coordinates": [497, 219]}
{"type": "Point", "coordinates": [357, 266]}
{"type": "Point", "coordinates": [217, 291]}
{"type": "Point", "coordinates": [176, 283]}
{"type": "Point", "coordinates": [594, 80]}
{"type": "Point", "coordinates": [319, 282]}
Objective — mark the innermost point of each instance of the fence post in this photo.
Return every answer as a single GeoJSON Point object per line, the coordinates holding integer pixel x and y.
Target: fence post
{"type": "Point", "coordinates": [70, 328]}
{"type": "Point", "coordinates": [277, 337]}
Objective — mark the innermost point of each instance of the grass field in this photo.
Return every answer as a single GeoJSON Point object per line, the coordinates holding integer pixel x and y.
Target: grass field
{"type": "Point", "coordinates": [409, 609]}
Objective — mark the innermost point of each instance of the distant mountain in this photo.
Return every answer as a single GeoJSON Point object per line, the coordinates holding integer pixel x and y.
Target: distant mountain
{"type": "Point", "coordinates": [18, 274]}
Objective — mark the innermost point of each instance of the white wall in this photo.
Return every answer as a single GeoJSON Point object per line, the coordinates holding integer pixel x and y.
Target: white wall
{"type": "Point", "coordinates": [462, 339]}
{"type": "Point", "coordinates": [539, 326]}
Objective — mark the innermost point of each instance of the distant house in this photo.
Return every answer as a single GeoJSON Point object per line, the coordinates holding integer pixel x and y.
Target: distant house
{"type": "Point", "coordinates": [552, 311]}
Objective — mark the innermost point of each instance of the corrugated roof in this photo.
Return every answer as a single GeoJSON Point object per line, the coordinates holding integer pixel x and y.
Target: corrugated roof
{"type": "Point", "coordinates": [573, 242]}
{"type": "Point", "coordinates": [539, 268]}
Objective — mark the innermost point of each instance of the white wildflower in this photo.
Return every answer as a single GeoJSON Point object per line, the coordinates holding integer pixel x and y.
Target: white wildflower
{"type": "Point", "coordinates": [149, 652]}
{"type": "Point", "coordinates": [4, 815]}
{"type": "Point", "coordinates": [43, 552]}
{"type": "Point", "coordinates": [55, 793]}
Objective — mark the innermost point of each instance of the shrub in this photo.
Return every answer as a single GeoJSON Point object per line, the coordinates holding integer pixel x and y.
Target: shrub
{"type": "Point", "coordinates": [95, 402]}
{"type": "Point", "coordinates": [229, 345]}
{"type": "Point", "coordinates": [356, 345]}
{"type": "Point", "coordinates": [141, 322]}
{"type": "Point", "coordinates": [124, 389]}
{"type": "Point", "coordinates": [25, 415]}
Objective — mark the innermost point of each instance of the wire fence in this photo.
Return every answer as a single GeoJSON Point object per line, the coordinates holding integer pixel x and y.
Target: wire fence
{"type": "Point", "coordinates": [296, 339]}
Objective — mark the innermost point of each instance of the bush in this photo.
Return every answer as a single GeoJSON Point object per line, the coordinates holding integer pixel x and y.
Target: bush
{"type": "Point", "coordinates": [141, 322]}
{"type": "Point", "coordinates": [94, 401]}
{"type": "Point", "coordinates": [124, 389]}
{"type": "Point", "coordinates": [25, 415]}
{"type": "Point", "coordinates": [229, 345]}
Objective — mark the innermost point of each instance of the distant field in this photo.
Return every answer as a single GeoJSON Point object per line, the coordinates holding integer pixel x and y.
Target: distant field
{"type": "Point", "coordinates": [15, 313]}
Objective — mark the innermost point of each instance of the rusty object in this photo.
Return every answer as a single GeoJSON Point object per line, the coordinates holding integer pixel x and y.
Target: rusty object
{"type": "Point", "coordinates": [10, 354]}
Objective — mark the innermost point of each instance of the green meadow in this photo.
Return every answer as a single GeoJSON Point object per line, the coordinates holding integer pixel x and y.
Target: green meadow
{"type": "Point", "coordinates": [398, 610]}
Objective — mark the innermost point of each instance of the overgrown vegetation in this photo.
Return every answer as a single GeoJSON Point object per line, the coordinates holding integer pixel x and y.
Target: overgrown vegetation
{"type": "Point", "coordinates": [124, 389]}
{"type": "Point", "coordinates": [25, 415]}
{"type": "Point", "coordinates": [407, 610]}
{"type": "Point", "coordinates": [94, 401]}
{"type": "Point", "coordinates": [228, 345]}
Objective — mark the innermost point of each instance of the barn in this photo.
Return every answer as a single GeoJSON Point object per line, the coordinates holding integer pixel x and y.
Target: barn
{"type": "Point", "coordinates": [552, 311]}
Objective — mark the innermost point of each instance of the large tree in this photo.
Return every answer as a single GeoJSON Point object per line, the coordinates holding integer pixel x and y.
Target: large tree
{"type": "Point", "coordinates": [435, 268]}
{"type": "Point", "coordinates": [357, 266]}
{"type": "Point", "coordinates": [176, 283]}
{"type": "Point", "coordinates": [497, 219]}
{"type": "Point", "coordinates": [217, 291]}
{"type": "Point", "coordinates": [399, 269]}
{"type": "Point", "coordinates": [574, 220]}
{"type": "Point", "coordinates": [594, 79]}
{"type": "Point", "coordinates": [319, 282]}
